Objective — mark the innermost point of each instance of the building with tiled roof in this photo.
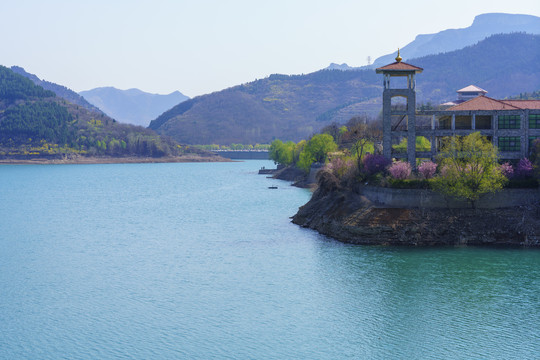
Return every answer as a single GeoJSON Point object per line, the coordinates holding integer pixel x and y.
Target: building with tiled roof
{"type": "Point", "coordinates": [482, 103]}
{"type": "Point", "coordinates": [465, 94]}
{"type": "Point", "coordinates": [512, 125]}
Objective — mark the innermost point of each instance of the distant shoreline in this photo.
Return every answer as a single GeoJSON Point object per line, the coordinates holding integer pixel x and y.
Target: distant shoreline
{"type": "Point", "coordinates": [113, 160]}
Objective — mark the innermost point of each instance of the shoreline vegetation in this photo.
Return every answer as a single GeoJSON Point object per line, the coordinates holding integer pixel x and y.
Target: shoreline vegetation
{"type": "Point", "coordinates": [110, 160]}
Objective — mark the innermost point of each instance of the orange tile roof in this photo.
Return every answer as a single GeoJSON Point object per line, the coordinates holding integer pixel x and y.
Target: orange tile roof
{"type": "Point", "coordinates": [399, 66]}
{"type": "Point", "coordinates": [483, 103]}
{"type": "Point", "coordinates": [524, 104]}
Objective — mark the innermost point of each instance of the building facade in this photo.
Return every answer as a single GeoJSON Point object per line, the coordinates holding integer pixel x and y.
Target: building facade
{"type": "Point", "coordinates": [511, 125]}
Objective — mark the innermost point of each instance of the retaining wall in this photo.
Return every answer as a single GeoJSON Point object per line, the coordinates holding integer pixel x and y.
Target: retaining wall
{"type": "Point", "coordinates": [421, 198]}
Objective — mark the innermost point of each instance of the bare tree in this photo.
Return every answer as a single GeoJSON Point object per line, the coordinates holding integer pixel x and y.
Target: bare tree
{"type": "Point", "coordinates": [360, 133]}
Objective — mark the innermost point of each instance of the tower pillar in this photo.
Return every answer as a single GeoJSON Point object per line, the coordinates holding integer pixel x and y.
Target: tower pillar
{"type": "Point", "coordinates": [399, 69]}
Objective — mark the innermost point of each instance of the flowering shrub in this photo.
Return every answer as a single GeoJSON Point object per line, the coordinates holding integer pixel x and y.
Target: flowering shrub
{"type": "Point", "coordinates": [340, 167]}
{"type": "Point", "coordinates": [427, 169]}
{"type": "Point", "coordinates": [400, 170]}
{"type": "Point", "coordinates": [375, 163]}
{"type": "Point", "coordinates": [507, 170]}
{"type": "Point", "coordinates": [524, 168]}
{"type": "Point", "coordinates": [445, 171]}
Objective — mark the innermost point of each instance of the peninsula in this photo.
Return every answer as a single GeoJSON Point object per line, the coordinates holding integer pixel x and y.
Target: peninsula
{"type": "Point", "coordinates": [465, 173]}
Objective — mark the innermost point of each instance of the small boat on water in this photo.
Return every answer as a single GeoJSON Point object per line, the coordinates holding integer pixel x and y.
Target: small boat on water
{"type": "Point", "coordinates": [272, 187]}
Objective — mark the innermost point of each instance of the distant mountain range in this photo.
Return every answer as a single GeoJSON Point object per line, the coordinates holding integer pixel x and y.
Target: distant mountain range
{"type": "Point", "coordinates": [293, 107]}
{"type": "Point", "coordinates": [36, 123]}
{"type": "Point", "coordinates": [482, 27]}
{"type": "Point", "coordinates": [132, 106]}
{"type": "Point", "coordinates": [59, 90]}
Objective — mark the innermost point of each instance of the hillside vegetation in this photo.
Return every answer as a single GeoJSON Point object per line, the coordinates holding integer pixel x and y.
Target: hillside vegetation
{"type": "Point", "coordinates": [34, 122]}
{"type": "Point", "coordinates": [59, 90]}
{"type": "Point", "coordinates": [295, 107]}
{"type": "Point", "coordinates": [280, 106]}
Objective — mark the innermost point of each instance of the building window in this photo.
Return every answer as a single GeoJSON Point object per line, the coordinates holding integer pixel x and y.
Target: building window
{"type": "Point", "coordinates": [509, 122]}
{"type": "Point", "coordinates": [534, 121]}
{"type": "Point", "coordinates": [483, 122]}
{"type": "Point", "coordinates": [510, 143]}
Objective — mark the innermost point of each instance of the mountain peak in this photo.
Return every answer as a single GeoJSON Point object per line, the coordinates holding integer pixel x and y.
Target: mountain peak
{"type": "Point", "coordinates": [132, 106]}
{"type": "Point", "coordinates": [483, 26]}
{"type": "Point", "coordinates": [506, 19]}
{"type": "Point", "coordinates": [343, 67]}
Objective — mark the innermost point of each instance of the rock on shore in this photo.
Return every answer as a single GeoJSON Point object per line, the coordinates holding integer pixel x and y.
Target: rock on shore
{"type": "Point", "coordinates": [294, 174]}
{"type": "Point", "coordinates": [344, 214]}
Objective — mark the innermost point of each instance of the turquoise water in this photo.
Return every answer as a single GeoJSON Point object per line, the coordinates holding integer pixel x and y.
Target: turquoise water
{"type": "Point", "coordinates": [200, 261]}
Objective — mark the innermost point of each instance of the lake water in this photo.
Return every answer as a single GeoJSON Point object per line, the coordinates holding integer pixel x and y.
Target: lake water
{"type": "Point", "coordinates": [200, 261]}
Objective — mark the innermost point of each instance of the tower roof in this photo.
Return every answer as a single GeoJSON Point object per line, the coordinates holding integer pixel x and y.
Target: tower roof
{"type": "Point", "coordinates": [399, 66]}
{"type": "Point", "coordinates": [472, 88]}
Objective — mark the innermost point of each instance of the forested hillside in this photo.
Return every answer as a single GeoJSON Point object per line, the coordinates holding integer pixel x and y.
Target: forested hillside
{"type": "Point", "coordinates": [59, 90]}
{"type": "Point", "coordinates": [280, 106]}
{"type": "Point", "coordinates": [504, 65]}
{"type": "Point", "coordinates": [34, 122]}
{"type": "Point", "coordinates": [294, 107]}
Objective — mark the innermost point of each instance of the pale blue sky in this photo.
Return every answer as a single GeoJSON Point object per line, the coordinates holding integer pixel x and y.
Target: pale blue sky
{"type": "Point", "coordinates": [201, 46]}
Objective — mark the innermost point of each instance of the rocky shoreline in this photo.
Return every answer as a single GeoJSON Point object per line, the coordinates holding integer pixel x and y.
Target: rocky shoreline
{"type": "Point", "coordinates": [346, 215]}
{"type": "Point", "coordinates": [291, 173]}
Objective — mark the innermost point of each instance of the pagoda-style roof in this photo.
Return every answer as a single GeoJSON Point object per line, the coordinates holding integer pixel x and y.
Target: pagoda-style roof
{"type": "Point", "coordinates": [399, 66]}
{"type": "Point", "coordinates": [473, 89]}
{"type": "Point", "coordinates": [487, 103]}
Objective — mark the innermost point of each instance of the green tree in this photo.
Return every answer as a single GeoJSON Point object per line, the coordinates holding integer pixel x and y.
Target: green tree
{"type": "Point", "coordinates": [298, 149]}
{"type": "Point", "coordinates": [422, 144]}
{"type": "Point", "coordinates": [282, 153]}
{"type": "Point", "coordinates": [316, 150]}
{"type": "Point", "coordinates": [305, 160]}
{"type": "Point", "coordinates": [469, 168]}
{"type": "Point", "coordinates": [319, 146]}
{"type": "Point", "coordinates": [273, 152]}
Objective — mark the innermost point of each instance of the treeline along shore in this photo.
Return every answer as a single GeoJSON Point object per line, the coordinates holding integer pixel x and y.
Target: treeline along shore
{"type": "Point", "coordinates": [77, 159]}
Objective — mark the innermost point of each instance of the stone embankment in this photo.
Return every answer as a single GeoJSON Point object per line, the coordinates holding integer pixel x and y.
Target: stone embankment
{"type": "Point", "coordinates": [348, 215]}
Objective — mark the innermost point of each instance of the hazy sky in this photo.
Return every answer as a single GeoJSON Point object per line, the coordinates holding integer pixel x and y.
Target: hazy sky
{"type": "Point", "coordinates": [201, 46]}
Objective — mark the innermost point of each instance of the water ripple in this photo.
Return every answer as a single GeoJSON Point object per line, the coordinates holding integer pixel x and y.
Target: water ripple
{"type": "Point", "coordinates": [200, 261]}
